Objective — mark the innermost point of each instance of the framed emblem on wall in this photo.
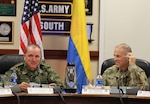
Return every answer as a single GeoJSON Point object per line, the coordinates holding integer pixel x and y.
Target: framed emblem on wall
{"type": "Point", "coordinates": [6, 32]}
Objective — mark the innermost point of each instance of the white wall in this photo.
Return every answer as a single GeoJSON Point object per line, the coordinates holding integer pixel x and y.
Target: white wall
{"type": "Point", "coordinates": [127, 21]}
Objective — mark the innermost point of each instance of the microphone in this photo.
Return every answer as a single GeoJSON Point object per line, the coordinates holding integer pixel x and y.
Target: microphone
{"type": "Point", "coordinates": [118, 86]}
{"type": "Point", "coordinates": [117, 78]}
{"type": "Point", "coordinates": [57, 89]}
{"type": "Point", "coordinates": [15, 89]}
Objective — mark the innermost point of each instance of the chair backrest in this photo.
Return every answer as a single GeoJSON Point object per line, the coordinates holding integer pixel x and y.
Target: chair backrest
{"type": "Point", "coordinates": [9, 60]}
{"type": "Point", "coordinates": [144, 64]}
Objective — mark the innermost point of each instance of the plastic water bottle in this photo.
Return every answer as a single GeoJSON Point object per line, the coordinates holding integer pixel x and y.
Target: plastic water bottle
{"type": "Point", "coordinates": [99, 80]}
{"type": "Point", "coordinates": [13, 78]}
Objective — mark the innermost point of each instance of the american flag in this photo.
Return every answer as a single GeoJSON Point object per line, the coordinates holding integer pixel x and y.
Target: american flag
{"type": "Point", "coordinates": [30, 26]}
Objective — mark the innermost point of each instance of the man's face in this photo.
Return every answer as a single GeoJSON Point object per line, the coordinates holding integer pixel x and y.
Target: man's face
{"type": "Point", "coordinates": [33, 57]}
{"type": "Point", "coordinates": [120, 58]}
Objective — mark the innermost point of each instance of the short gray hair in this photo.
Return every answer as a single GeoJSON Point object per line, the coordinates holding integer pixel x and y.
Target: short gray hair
{"type": "Point", "coordinates": [32, 45]}
{"type": "Point", "coordinates": [125, 46]}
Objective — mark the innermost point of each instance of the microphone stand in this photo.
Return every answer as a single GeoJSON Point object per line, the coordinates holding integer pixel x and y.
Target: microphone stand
{"type": "Point", "coordinates": [120, 90]}
{"type": "Point", "coordinates": [58, 90]}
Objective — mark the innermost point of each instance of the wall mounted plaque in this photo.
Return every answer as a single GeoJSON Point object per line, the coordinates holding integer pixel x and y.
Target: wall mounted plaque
{"type": "Point", "coordinates": [7, 7]}
{"type": "Point", "coordinates": [6, 32]}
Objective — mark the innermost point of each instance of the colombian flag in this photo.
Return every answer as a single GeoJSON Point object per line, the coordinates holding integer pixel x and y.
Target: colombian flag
{"type": "Point", "coordinates": [78, 51]}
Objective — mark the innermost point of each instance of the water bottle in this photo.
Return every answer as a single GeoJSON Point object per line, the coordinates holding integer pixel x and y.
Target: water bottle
{"type": "Point", "coordinates": [99, 80]}
{"type": "Point", "coordinates": [13, 78]}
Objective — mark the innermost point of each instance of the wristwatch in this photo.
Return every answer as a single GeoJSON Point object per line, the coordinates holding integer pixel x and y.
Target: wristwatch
{"type": "Point", "coordinates": [5, 29]}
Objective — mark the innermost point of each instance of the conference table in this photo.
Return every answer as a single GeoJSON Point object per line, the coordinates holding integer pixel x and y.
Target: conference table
{"type": "Point", "coordinates": [26, 98]}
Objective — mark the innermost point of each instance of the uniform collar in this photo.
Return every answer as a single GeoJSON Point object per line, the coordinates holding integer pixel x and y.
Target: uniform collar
{"type": "Point", "coordinates": [27, 70]}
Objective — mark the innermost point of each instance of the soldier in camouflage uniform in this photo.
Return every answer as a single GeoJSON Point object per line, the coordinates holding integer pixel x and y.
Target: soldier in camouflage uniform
{"type": "Point", "coordinates": [125, 72]}
{"type": "Point", "coordinates": [33, 70]}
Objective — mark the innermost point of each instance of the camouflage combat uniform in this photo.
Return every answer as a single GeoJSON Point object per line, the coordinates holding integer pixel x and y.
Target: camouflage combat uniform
{"type": "Point", "coordinates": [44, 74]}
{"type": "Point", "coordinates": [134, 76]}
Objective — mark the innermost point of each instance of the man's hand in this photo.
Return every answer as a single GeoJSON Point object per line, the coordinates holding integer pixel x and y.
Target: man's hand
{"type": "Point", "coordinates": [131, 58]}
{"type": "Point", "coordinates": [23, 86]}
{"type": "Point", "coordinates": [52, 84]}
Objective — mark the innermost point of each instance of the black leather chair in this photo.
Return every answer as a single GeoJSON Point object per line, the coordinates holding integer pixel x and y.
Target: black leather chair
{"type": "Point", "coordinates": [144, 64]}
{"type": "Point", "coordinates": [9, 60]}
